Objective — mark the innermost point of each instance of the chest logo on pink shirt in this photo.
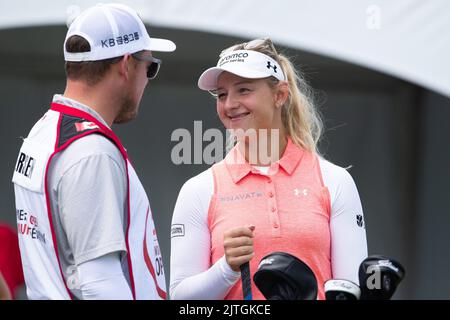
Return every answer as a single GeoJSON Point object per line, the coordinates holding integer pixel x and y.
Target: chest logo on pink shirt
{"type": "Point", "coordinates": [299, 192]}
{"type": "Point", "coordinates": [241, 196]}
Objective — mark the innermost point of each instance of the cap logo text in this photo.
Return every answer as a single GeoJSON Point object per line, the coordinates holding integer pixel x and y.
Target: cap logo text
{"type": "Point", "coordinates": [124, 39]}
{"type": "Point", "coordinates": [235, 57]}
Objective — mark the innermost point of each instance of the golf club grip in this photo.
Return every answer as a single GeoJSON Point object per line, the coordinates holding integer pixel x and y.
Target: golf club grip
{"type": "Point", "coordinates": [246, 281]}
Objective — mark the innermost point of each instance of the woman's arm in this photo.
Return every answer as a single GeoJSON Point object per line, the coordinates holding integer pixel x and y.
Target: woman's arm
{"type": "Point", "coordinates": [348, 233]}
{"type": "Point", "coordinates": [191, 274]}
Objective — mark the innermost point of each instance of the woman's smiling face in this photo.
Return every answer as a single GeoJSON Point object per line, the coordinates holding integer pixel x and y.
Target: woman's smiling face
{"type": "Point", "coordinates": [246, 103]}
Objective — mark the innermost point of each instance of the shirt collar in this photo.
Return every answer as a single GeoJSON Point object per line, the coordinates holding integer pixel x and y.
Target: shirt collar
{"type": "Point", "coordinates": [238, 167]}
{"type": "Point", "coordinates": [291, 157]}
{"type": "Point", "coordinates": [58, 98]}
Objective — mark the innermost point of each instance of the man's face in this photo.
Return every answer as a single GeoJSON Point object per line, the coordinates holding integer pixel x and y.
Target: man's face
{"type": "Point", "coordinates": [132, 95]}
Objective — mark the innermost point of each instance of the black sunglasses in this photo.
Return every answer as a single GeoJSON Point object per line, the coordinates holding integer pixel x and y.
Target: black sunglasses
{"type": "Point", "coordinates": [153, 68]}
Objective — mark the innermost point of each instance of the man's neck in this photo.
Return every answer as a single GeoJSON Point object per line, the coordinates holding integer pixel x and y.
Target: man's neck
{"type": "Point", "coordinates": [93, 97]}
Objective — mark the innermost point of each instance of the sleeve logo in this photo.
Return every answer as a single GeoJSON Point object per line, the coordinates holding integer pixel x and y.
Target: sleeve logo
{"type": "Point", "coordinates": [177, 230]}
{"type": "Point", "coordinates": [360, 220]}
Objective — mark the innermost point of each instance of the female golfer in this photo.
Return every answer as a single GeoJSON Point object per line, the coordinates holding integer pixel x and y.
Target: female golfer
{"type": "Point", "coordinates": [272, 192]}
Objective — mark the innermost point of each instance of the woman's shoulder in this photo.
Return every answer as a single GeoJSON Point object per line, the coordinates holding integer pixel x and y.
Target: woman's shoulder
{"type": "Point", "coordinates": [333, 174]}
{"type": "Point", "coordinates": [194, 197]}
{"type": "Point", "coordinates": [199, 184]}
{"type": "Point", "coordinates": [341, 186]}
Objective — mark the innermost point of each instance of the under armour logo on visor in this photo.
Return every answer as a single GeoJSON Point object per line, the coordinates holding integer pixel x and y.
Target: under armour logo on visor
{"type": "Point", "coordinates": [269, 65]}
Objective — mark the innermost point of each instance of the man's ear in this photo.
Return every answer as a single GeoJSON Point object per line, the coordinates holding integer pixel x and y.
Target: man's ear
{"type": "Point", "coordinates": [124, 69]}
{"type": "Point", "coordinates": [281, 93]}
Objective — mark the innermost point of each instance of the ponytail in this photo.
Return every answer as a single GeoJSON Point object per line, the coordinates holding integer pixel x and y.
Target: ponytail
{"type": "Point", "coordinates": [299, 115]}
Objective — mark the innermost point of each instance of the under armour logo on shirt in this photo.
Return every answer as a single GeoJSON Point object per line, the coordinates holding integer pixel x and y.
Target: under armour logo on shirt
{"type": "Point", "coordinates": [269, 65]}
{"type": "Point", "coordinates": [304, 192]}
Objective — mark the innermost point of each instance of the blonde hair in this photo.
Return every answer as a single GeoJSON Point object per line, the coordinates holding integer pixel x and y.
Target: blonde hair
{"type": "Point", "coordinates": [300, 117]}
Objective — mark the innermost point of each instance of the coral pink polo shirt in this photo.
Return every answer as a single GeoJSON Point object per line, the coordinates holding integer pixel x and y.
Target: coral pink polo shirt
{"type": "Point", "coordinates": [290, 208]}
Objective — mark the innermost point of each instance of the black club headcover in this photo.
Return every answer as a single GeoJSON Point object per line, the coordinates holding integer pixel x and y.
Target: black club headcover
{"type": "Point", "coordinates": [282, 276]}
{"type": "Point", "coordinates": [379, 276]}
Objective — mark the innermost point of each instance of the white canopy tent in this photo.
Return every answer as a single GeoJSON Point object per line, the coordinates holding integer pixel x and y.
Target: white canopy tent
{"type": "Point", "coordinates": [393, 132]}
{"type": "Point", "coordinates": [407, 39]}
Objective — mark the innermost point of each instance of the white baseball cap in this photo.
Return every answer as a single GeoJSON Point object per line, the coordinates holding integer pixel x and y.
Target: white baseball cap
{"type": "Point", "coordinates": [112, 30]}
{"type": "Point", "coordinates": [244, 63]}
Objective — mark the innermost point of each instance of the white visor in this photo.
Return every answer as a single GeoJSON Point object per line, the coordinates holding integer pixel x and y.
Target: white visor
{"type": "Point", "coordinates": [243, 63]}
